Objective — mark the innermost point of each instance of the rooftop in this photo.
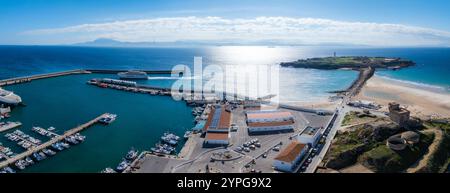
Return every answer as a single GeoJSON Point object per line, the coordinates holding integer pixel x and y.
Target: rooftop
{"type": "Point", "coordinates": [311, 131]}
{"type": "Point", "coordinates": [270, 124]}
{"type": "Point", "coordinates": [268, 114]}
{"type": "Point", "coordinates": [290, 152]}
{"type": "Point", "coordinates": [219, 118]}
{"type": "Point", "coordinates": [216, 136]}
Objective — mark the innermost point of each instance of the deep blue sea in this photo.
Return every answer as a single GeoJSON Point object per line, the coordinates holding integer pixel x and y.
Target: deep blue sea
{"type": "Point", "coordinates": [433, 64]}
{"type": "Point", "coordinates": [65, 102]}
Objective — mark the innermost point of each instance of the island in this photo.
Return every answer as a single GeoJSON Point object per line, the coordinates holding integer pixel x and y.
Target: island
{"type": "Point", "coordinates": [350, 62]}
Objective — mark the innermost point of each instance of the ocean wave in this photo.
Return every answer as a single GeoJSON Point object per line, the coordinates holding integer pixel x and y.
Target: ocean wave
{"type": "Point", "coordinates": [422, 85]}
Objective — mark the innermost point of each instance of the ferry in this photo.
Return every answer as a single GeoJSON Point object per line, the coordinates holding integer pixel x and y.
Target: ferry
{"type": "Point", "coordinates": [8, 97]}
{"type": "Point", "coordinates": [132, 74]}
{"type": "Point", "coordinates": [65, 145]}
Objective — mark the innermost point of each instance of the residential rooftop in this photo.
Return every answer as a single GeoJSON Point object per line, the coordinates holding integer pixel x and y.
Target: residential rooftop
{"type": "Point", "coordinates": [290, 152]}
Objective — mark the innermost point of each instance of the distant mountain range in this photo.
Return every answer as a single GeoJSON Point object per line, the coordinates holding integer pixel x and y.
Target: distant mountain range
{"type": "Point", "coordinates": [106, 42]}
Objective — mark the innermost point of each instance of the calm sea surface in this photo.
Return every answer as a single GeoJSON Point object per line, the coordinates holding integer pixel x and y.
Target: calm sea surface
{"type": "Point", "coordinates": [66, 102]}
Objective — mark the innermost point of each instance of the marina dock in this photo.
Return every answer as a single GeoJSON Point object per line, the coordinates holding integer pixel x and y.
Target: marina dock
{"type": "Point", "coordinates": [47, 144]}
{"type": "Point", "coordinates": [24, 79]}
{"type": "Point", "coordinates": [10, 125]}
{"type": "Point", "coordinates": [115, 71]}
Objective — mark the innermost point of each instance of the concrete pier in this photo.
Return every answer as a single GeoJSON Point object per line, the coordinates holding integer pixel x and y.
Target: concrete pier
{"type": "Point", "coordinates": [24, 79]}
{"type": "Point", "coordinates": [10, 125]}
{"type": "Point", "coordinates": [115, 71]}
{"type": "Point", "coordinates": [50, 142]}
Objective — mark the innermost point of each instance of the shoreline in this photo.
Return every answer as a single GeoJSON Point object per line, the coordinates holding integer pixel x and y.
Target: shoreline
{"type": "Point", "coordinates": [423, 102]}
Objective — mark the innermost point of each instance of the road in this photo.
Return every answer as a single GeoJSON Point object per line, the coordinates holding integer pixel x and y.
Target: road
{"type": "Point", "coordinates": [342, 110]}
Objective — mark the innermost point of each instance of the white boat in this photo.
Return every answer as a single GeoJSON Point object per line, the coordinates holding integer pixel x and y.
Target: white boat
{"type": "Point", "coordinates": [122, 166]}
{"type": "Point", "coordinates": [132, 74]}
{"type": "Point", "coordinates": [9, 97]}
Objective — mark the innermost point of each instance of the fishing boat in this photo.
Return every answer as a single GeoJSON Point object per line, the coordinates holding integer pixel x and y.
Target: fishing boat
{"type": "Point", "coordinates": [122, 166]}
{"type": "Point", "coordinates": [170, 139]}
{"type": "Point", "coordinates": [131, 155]}
{"type": "Point", "coordinates": [187, 134]}
{"type": "Point", "coordinates": [108, 170]}
{"type": "Point", "coordinates": [108, 119]}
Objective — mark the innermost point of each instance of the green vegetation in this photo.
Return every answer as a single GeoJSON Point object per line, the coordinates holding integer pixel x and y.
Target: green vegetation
{"type": "Point", "coordinates": [354, 117]}
{"type": "Point", "coordinates": [384, 159]}
{"type": "Point", "coordinates": [347, 147]}
{"type": "Point", "coordinates": [366, 144]}
{"type": "Point", "coordinates": [440, 160]}
{"type": "Point", "coordinates": [354, 62]}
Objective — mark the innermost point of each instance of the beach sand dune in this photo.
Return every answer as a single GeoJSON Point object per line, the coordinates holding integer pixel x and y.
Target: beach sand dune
{"type": "Point", "coordinates": [423, 102]}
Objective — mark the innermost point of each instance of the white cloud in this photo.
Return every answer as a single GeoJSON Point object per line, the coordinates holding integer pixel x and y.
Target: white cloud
{"type": "Point", "coordinates": [286, 29]}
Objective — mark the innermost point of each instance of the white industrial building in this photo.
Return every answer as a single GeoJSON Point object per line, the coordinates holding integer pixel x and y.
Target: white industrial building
{"type": "Point", "coordinates": [289, 158]}
{"type": "Point", "coordinates": [310, 135]}
{"type": "Point", "coordinates": [269, 116]}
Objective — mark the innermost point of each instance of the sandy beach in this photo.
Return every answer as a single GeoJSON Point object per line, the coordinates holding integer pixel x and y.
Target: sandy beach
{"type": "Point", "coordinates": [422, 101]}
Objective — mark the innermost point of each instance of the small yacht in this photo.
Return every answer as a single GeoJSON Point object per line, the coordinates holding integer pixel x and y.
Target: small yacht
{"type": "Point", "coordinates": [37, 156]}
{"type": "Point", "coordinates": [65, 145]}
{"type": "Point", "coordinates": [79, 137]}
{"type": "Point", "coordinates": [132, 74]}
{"type": "Point", "coordinates": [29, 161]}
{"type": "Point", "coordinates": [20, 164]}
{"type": "Point", "coordinates": [9, 170]}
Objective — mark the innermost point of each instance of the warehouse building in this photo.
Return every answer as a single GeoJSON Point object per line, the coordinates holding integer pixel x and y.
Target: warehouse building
{"type": "Point", "coordinates": [217, 127]}
{"type": "Point", "coordinates": [290, 157]}
{"type": "Point", "coordinates": [272, 121]}
{"type": "Point", "coordinates": [310, 135]}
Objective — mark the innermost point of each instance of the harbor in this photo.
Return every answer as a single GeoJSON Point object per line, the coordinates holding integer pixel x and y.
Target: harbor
{"type": "Point", "coordinates": [47, 144]}
{"type": "Point", "coordinates": [5, 126]}
{"type": "Point", "coordinates": [144, 126]}
{"type": "Point", "coordinates": [170, 145]}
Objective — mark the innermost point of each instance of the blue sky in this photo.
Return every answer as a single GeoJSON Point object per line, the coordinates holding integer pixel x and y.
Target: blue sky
{"type": "Point", "coordinates": [64, 21]}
